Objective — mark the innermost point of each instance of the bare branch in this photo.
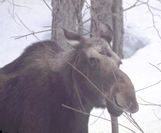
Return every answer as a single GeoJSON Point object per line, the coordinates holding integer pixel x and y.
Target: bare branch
{"type": "Point", "coordinates": [129, 119]}
{"type": "Point", "coordinates": [149, 103]}
{"type": "Point", "coordinates": [156, 116]}
{"type": "Point", "coordinates": [42, 31]}
{"type": "Point", "coordinates": [85, 113]}
{"type": "Point", "coordinates": [153, 19]}
{"type": "Point", "coordinates": [33, 33]}
{"type": "Point", "coordinates": [149, 86]}
{"type": "Point", "coordinates": [87, 3]}
{"type": "Point", "coordinates": [15, 4]}
{"type": "Point", "coordinates": [159, 63]}
{"type": "Point", "coordinates": [98, 117]}
{"type": "Point", "coordinates": [27, 27]}
{"type": "Point", "coordinates": [154, 8]}
{"type": "Point", "coordinates": [134, 122]}
{"type": "Point", "coordinates": [47, 5]}
{"type": "Point", "coordinates": [152, 104]}
{"type": "Point", "coordinates": [155, 67]}
{"type": "Point", "coordinates": [158, 82]}
{"type": "Point", "coordinates": [137, 3]}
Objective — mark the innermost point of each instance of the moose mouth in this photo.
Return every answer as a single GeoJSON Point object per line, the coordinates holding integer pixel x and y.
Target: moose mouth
{"type": "Point", "coordinates": [114, 108]}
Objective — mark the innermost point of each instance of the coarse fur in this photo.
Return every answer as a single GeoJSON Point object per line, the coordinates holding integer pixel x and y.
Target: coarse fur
{"type": "Point", "coordinates": [35, 85]}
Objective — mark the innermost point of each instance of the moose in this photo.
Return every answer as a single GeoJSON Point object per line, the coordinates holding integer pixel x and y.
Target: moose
{"type": "Point", "coordinates": [35, 86]}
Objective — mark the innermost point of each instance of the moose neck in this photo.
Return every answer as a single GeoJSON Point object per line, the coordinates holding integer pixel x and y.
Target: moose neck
{"type": "Point", "coordinates": [78, 93]}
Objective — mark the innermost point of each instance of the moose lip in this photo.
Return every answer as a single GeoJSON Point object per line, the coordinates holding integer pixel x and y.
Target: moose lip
{"type": "Point", "coordinates": [114, 108]}
{"type": "Point", "coordinates": [116, 103]}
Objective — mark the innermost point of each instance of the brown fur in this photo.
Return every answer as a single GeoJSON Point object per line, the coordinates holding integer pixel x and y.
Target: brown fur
{"type": "Point", "coordinates": [35, 85]}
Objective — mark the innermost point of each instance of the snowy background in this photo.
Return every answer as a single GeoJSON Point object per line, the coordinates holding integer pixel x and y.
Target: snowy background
{"type": "Point", "coordinates": [143, 66]}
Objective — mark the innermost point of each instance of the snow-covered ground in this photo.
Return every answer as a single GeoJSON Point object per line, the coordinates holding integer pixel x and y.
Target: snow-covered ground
{"type": "Point", "coordinates": [142, 67]}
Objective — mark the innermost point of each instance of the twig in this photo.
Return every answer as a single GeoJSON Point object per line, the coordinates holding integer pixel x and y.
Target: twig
{"type": "Point", "coordinates": [153, 19]}
{"type": "Point", "coordinates": [134, 5]}
{"type": "Point", "coordinates": [149, 86]}
{"type": "Point", "coordinates": [47, 5]}
{"type": "Point", "coordinates": [155, 67]}
{"type": "Point", "coordinates": [139, 3]}
{"type": "Point", "coordinates": [27, 27]}
{"type": "Point", "coordinates": [159, 63]}
{"type": "Point", "coordinates": [158, 105]}
{"type": "Point", "coordinates": [129, 119]}
{"type": "Point", "coordinates": [154, 8]}
{"type": "Point", "coordinates": [156, 116]}
{"type": "Point", "coordinates": [33, 33]}
{"type": "Point", "coordinates": [41, 31]}
{"type": "Point", "coordinates": [87, 3]}
{"type": "Point", "coordinates": [97, 118]}
{"type": "Point", "coordinates": [13, 3]}
{"type": "Point", "coordinates": [132, 120]}
{"type": "Point", "coordinates": [85, 113]}
{"type": "Point", "coordinates": [149, 103]}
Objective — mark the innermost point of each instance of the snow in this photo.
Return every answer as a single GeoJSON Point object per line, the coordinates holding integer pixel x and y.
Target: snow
{"type": "Point", "coordinates": [141, 67]}
{"type": "Point", "coordinates": [134, 39]}
{"type": "Point", "coordinates": [10, 26]}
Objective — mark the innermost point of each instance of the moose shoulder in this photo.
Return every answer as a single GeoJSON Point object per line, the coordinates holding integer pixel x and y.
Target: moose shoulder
{"type": "Point", "coordinates": [35, 85]}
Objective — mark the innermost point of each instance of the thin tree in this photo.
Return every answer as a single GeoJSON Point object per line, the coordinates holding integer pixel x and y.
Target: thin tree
{"type": "Point", "coordinates": [66, 14]}
{"type": "Point", "coordinates": [107, 22]}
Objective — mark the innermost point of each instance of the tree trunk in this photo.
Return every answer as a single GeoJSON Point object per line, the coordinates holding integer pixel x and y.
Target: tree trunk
{"type": "Point", "coordinates": [117, 27]}
{"type": "Point", "coordinates": [79, 8]}
{"type": "Point", "coordinates": [114, 124]}
{"type": "Point", "coordinates": [101, 19]}
{"type": "Point", "coordinates": [66, 14]}
{"type": "Point", "coordinates": [107, 22]}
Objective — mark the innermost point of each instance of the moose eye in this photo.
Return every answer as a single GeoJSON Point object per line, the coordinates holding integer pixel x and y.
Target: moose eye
{"type": "Point", "coordinates": [93, 61]}
{"type": "Point", "coordinates": [106, 53]}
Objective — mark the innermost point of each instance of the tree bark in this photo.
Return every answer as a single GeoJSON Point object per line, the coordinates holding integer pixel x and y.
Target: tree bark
{"type": "Point", "coordinates": [107, 22]}
{"type": "Point", "coordinates": [79, 8]}
{"type": "Point", "coordinates": [114, 124]}
{"type": "Point", "coordinates": [101, 19]}
{"type": "Point", "coordinates": [66, 14]}
{"type": "Point", "coordinates": [117, 11]}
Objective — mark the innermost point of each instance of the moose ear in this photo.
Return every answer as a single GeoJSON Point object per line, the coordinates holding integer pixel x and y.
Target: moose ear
{"type": "Point", "coordinates": [72, 38]}
{"type": "Point", "coordinates": [105, 32]}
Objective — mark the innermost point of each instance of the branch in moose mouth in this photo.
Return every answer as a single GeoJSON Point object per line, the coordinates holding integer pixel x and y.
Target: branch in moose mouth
{"type": "Point", "coordinates": [85, 113]}
{"type": "Point", "coordinates": [117, 104]}
{"type": "Point", "coordinates": [132, 120]}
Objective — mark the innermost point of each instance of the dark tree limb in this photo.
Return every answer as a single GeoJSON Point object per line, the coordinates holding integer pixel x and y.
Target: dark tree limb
{"type": "Point", "coordinates": [114, 124]}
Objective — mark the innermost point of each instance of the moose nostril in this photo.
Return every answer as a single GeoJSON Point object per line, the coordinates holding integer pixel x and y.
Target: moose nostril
{"type": "Point", "coordinates": [134, 108]}
{"type": "Point", "coordinates": [119, 63]}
